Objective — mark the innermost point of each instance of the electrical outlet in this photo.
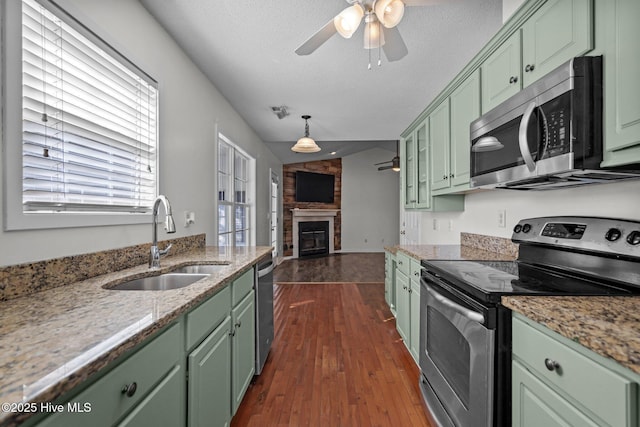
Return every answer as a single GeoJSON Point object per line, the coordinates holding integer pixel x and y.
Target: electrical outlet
{"type": "Point", "coordinates": [450, 225]}
{"type": "Point", "coordinates": [502, 218]}
{"type": "Point", "coordinates": [435, 223]}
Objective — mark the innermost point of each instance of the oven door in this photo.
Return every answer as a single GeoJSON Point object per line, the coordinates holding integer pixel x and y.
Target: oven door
{"type": "Point", "coordinates": [456, 357]}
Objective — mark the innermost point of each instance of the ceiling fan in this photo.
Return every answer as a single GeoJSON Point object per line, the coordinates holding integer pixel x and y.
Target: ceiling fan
{"type": "Point", "coordinates": [395, 162]}
{"type": "Point", "coordinates": [381, 18]}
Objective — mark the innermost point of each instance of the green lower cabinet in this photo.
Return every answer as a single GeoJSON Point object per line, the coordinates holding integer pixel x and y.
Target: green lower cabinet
{"type": "Point", "coordinates": [557, 382]}
{"type": "Point", "coordinates": [390, 281]}
{"type": "Point", "coordinates": [402, 305]}
{"type": "Point", "coordinates": [243, 342]}
{"type": "Point", "coordinates": [209, 385]}
{"type": "Point", "coordinates": [535, 404]}
{"type": "Point", "coordinates": [414, 302]}
{"type": "Point", "coordinates": [146, 387]}
{"type": "Point", "coordinates": [163, 406]}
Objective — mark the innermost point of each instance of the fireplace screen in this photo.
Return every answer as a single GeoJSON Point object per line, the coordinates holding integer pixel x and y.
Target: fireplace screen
{"type": "Point", "coordinates": [313, 238]}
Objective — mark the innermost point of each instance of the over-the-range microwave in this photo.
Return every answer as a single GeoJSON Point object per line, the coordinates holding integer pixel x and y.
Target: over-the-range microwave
{"type": "Point", "coordinates": [548, 135]}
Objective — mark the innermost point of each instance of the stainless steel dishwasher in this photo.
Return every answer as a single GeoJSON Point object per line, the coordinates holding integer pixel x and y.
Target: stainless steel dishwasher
{"type": "Point", "coordinates": [264, 311]}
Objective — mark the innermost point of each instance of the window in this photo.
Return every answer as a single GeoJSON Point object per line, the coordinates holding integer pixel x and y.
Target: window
{"type": "Point", "coordinates": [88, 123]}
{"type": "Point", "coordinates": [235, 195]}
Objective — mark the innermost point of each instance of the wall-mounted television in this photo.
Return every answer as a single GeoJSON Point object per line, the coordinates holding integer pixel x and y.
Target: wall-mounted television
{"type": "Point", "coordinates": [314, 187]}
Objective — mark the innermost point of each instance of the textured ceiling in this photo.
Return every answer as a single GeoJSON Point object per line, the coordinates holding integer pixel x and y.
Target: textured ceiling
{"type": "Point", "coordinates": [246, 48]}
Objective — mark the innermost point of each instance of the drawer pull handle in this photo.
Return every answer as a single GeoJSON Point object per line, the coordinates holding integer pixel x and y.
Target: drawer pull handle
{"type": "Point", "coordinates": [130, 389]}
{"type": "Point", "coordinates": [551, 365]}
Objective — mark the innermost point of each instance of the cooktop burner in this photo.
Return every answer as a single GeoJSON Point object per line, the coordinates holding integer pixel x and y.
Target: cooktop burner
{"type": "Point", "coordinates": [488, 280]}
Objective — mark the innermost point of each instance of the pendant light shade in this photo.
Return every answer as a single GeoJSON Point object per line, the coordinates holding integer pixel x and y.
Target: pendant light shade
{"type": "Point", "coordinates": [373, 35]}
{"type": "Point", "coordinates": [348, 21]}
{"type": "Point", "coordinates": [389, 12]}
{"type": "Point", "coordinates": [306, 144]}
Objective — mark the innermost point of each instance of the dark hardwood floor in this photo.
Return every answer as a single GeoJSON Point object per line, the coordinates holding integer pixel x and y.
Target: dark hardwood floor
{"type": "Point", "coordinates": [348, 267]}
{"type": "Point", "coordinates": [336, 360]}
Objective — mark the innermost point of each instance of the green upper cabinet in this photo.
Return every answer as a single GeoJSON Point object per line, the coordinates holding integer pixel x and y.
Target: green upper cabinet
{"type": "Point", "coordinates": [501, 73]}
{"type": "Point", "coordinates": [439, 136]}
{"type": "Point", "coordinates": [452, 163]}
{"type": "Point", "coordinates": [408, 171]}
{"type": "Point", "coordinates": [558, 31]}
{"type": "Point", "coordinates": [422, 172]}
{"type": "Point", "coordinates": [621, 85]}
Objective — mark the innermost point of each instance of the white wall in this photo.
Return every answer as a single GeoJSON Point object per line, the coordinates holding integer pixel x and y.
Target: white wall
{"type": "Point", "coordinates": [190, 109]}
{"type": "Point", "coordinates": [480, 215]}
{"type": "Point", "coordinates": [370, 200]}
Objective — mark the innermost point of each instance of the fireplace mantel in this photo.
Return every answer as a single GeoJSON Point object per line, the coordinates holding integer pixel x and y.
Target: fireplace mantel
{"type": "Point", "coordinates": [303, 215]}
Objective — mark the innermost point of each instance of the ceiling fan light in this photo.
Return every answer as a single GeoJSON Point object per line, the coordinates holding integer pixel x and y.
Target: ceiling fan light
{"type": "Point", "coordinates": [305, 145]}
{"type": "Point", "coordinates": [389, 12]}
{"type": "Point", "coordinates": [348, 21]}
{"type": "Point", "coordinates": [395, 164]}
{"type": "Point", "coordinates": [373, 35]}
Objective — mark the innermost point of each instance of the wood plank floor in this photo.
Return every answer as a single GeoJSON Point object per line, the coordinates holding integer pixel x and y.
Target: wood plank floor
{"type": "Point", "coordinates": [347, 267]}
{"type": "Point", "coordinates": [336, 360]}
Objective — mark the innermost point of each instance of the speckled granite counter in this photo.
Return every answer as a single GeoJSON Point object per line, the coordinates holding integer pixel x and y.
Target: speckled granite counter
{"type": "Point", "coordinates": [53, 340]}
{"type": "Point", "coordinates": [609, 326]}
{"type": "Point", "coordinates": [451, 252]}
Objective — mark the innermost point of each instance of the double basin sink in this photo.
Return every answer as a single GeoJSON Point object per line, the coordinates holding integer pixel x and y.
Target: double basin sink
{"type": "Point", "coordinates": [178, 278]}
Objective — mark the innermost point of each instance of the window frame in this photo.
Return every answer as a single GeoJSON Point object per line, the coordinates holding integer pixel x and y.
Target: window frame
{"type": "Point", "coordinates": [250, 193]}
{"type": "Point", "coordinates": [14, 218]}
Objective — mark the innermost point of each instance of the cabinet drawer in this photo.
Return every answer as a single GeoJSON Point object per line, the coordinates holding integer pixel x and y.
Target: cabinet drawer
{"type": "Point", "coordinates": [242, 286]}
{"type": "Point", "coordinates": [415, 270]}
{"type": "Point", "coordinates": [403, 263]}
{"type": "Point", "coordinates": [607, 394]}
{"type": "Point", "coordinates": [147, 368]}
{"type": "Point", "coordinates": [207, 316]}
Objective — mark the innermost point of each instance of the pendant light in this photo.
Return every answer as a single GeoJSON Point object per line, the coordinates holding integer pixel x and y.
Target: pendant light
{"type": "Point", "coordinates": [306, 144]}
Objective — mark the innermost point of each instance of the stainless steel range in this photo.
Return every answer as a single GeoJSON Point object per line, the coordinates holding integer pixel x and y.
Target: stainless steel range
{"type": "Point", "coordinates": [465, 334]}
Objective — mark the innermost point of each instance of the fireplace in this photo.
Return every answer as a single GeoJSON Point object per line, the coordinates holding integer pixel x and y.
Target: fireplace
{"type": "Point", "coordinates": [313, 216]}
{"type": "Point", "coordinates": [313, 238]}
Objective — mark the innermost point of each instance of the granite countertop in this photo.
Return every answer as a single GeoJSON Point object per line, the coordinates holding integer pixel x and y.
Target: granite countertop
{"type": "Point", "coordinates": [609, 326]}
{"type": "Point", "coordinates": [53, 340]}
{"type": "Point", "coordinates": [449, 252]}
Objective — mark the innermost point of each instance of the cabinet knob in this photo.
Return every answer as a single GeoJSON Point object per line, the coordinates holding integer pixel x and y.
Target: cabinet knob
{"type": "Point", "coordinates": [130, 389]}
{"type": "Point", "coordinates": [513, 79]}
{"type": "Point", "coordinates": [238, 324]}
{"type": "Point", "coordinates": [529, 68]}
{"type": "Point", "coordinates": [551, 364]}
{"type": "Point", "coordinates": [409, 290]}
{"type": "Point", "coordinates": [232, 333]}
{"type": "Point", "coordinates": [415, 273]}
{"type": "Point", "coordinates": [452, 176]}
{"type": "Point", "coordinates": [404, 287]}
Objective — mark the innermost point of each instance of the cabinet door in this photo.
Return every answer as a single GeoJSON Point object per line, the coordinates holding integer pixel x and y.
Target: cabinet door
{"type": "Point", "coordinates": [439, 141]}
{"type": "Point", "coordinates": [210, 379]}
{"type": "Point", "coordinates": [414, 301]}
{"type": "Point", "coordinates": [465, 108]}
{"type": "Point", "coordinates": [621, 70]}
{"type": "Point", "coordinates": [409, 171]}
{"type": "Point", "coordinates": [501, 73]}
{"type": "Point", "coordinates": [243, 350]}
{"type": "Point", "coordinates": [535, 404]}
{"type": "Point", "coordinates": [557, 32]}
{"type": "Point", "coordinates": [422, 171]}
{"type": "Point", "coordinates": [164, 406]}
{"type": "Point", "coordinates": [402, 306]}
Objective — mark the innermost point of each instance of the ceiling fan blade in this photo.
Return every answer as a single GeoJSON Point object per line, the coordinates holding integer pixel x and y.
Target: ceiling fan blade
{"type": "Point", "coordinates": [384, 168]}
{"type": "Point", "coordinates": [382, 163]}
{"type": "Point", "coordinates": [316, 40]}
{"type": "Point", "coordinates": [394, 47]}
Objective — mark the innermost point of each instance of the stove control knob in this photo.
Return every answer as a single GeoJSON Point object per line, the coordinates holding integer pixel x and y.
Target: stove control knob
{"type": "Point", "coordinates": [517, 228]}
{"type": "Point", "coordinates": [526, 228]}
{"type": "Point", "coordinates": [634, 238]}
{"type": "Point", "coordinates": [613, 234]}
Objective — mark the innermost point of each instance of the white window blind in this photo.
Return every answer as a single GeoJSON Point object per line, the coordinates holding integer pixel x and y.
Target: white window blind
{"type": "Point", "coordinates": [89, 120]}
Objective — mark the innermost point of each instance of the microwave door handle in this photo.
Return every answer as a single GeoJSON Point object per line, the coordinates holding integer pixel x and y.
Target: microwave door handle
{"type": "Point", "coordinates": [522, 137]}
{"type": "Point", "coordinates": [465, 312]}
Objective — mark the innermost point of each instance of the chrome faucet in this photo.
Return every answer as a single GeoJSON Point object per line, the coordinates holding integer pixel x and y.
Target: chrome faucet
{"type": "Point", "coordinates": [169, 226]}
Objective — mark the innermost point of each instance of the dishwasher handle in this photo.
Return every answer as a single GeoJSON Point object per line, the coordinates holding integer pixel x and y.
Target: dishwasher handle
{"type": "Point", "coordinates": [267, 268]}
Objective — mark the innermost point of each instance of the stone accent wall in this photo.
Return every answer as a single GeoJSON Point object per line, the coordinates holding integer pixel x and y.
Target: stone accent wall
{"type": "Point", "coordinates": [332, 167]}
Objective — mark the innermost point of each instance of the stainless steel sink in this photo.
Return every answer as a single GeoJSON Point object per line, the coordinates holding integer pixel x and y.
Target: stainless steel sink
{"type": "Point", "coordinates": [163, 282]}
{"type": "Point", "coordinates": [200, 268]}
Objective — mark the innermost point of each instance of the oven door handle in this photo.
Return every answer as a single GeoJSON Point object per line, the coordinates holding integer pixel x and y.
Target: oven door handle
{"type": "Point", "coordinates": [522, 137]}
{"type": "Point", "coordinates": [465, 312]}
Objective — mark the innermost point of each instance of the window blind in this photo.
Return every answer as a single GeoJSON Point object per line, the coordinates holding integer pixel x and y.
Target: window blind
{"type": "Point", "coordinates": [89, 121]}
